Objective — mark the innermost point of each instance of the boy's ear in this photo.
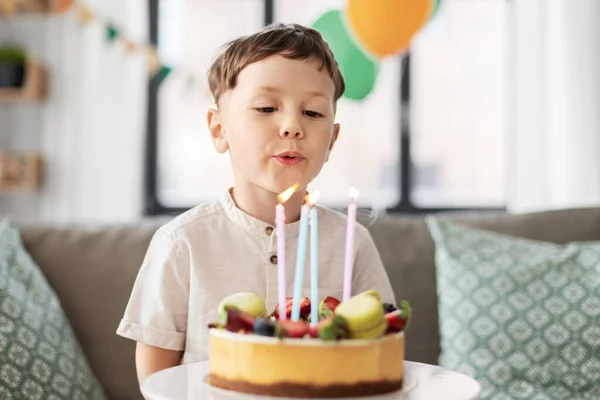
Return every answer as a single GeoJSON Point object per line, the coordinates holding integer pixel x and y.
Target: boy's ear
{"type": "Point", "coordinates": [334, 136]}
{"type": "Point", "coordinates": [217, 133]}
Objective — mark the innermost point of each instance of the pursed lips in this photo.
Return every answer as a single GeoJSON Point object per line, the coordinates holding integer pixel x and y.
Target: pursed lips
{"type": "Point", "coordinates": [289, 158]}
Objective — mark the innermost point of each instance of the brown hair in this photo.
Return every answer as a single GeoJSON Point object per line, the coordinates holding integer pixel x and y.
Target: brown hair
{"type": "Point", "coordinates": [289, 40]}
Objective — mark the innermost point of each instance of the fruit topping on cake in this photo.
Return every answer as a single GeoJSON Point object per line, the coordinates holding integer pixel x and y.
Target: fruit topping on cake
{"type": "Point", "coordinates": [289, 301]}
{"type": "Point", "coordinates": [398, 319]}
{"type": "Point", "coordinates": [248, 302]}
{"type": "Point", "coordinates": [264, 327]}
{"type": "Point", "coordinates": [234, 320]}
{"type": "Point", "coordinates": [328, 306]}
{"type": "Point", "coordinates": [291, 329]}
{"type": "Point", "coordinates": [389, 307]}
{"type": "Point", "coordinates": [364, 316]}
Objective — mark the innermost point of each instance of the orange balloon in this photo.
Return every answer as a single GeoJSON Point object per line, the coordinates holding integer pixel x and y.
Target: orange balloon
{"type": "Point", "coordinates": [386, 27]}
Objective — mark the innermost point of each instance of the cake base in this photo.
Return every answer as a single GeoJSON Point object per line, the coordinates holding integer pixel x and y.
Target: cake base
{"type": "Point", "coordinates": [307, 391]}
{"type": "Point", "coordinates": [247, 363]}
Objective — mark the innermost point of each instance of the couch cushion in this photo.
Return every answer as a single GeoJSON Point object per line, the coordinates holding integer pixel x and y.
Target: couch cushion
{"type": "Point", "coordinates": [520, 316]}
{"type": "Point", "coordinates": [408, 255]}
{"type": "Point", "coordinates": [92, 270]}
{"type": "Point", "coordinates": [39, 354]}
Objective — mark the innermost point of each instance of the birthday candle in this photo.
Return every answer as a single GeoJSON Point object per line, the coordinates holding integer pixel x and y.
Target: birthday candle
{"type": "Point", "coordinates": [350, 233]}
{"type": "Point", "coordinates": [280, 229]}
{"type": "Point", "coordinates": [300, 260]}
{"type": "Point", "coordinates": [314, 259]}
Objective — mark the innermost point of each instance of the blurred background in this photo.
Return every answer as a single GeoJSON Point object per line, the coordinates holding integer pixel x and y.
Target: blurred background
{"type": "Point", "coordinates": [492, 106]}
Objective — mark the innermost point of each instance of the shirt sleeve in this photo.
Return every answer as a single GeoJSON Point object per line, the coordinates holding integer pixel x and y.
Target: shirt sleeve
{"type": "Point", "coordinates": [369, 272]}
{"type": "Point", "coordinates": [157, 311]}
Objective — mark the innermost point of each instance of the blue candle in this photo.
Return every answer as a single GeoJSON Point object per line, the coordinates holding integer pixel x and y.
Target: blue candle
{"type": "Point", "coordinates": [300, 260]}
{"type": "Point", "coordinates": [314, 266]}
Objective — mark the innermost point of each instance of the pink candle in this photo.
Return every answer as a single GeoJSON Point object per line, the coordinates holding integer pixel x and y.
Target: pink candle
{"type": "Point", "coordinates": [350, 233]}
{"type": "Point", "coordinates": [280, 230]}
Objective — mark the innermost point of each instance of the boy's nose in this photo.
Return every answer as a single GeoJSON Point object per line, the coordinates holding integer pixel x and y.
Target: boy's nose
{"type": "Point", "coordinates": [291, 133]}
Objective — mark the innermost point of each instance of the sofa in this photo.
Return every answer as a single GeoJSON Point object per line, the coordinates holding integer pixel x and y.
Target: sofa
{"type": "Point", "coordinates": [92, 270]}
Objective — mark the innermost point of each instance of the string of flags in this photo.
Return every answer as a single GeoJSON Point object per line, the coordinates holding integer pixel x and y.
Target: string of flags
{"type": "Point", "coordinates": [113, 33]}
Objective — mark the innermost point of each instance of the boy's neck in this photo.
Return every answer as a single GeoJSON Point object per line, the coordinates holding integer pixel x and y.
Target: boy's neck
{"type": "Point", "coordinates": [261, 203]}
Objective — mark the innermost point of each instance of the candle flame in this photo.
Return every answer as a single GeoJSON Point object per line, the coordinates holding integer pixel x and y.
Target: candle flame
{"type": "Point", "coordinates": [284, 196]}
{"type": "Point", "coordinates": [312, 198]}
{"type": "Point", "coordinates": [353, 192]}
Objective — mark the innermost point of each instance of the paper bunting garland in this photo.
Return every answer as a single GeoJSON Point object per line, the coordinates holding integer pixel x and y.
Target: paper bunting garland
{"type": "Point", "coordinates": [84, 14]}
{"type": "Point", "coordinates": [154, 64]}
{"type": "Point", "coordinates": [113, 33]}
{"type": "Point", "coordinates": [130, 46]}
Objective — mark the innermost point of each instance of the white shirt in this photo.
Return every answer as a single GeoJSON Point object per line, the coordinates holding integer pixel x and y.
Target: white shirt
{"type": "Point", "coordinates": [215, 250]}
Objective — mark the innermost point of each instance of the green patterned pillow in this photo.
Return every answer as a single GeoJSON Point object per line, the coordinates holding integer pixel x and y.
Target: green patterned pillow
{"type": "Point", "coordinates": [40, 357]}
{"type": "Point", "coordinates": [520, 316]}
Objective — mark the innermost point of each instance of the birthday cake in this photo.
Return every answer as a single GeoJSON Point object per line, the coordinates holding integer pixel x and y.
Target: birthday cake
{"type": "Point", "coordinates": [353, 348]}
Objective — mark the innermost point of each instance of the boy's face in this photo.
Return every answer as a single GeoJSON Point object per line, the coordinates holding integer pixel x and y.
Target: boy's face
{"type": "Point", "coordinates": [277, 123]}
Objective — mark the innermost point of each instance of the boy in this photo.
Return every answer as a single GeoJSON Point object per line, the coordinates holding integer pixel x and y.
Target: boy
{"type": "Point", "coordinates": [275, 93]}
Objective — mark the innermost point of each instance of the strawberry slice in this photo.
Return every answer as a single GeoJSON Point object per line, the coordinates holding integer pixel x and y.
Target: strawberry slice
{"type": "Point", "coordinates": [289, 301]}
{"type": "Point", "coordinates": [398, 320]}
{"type": "Point", "coordinates": [291, 329]}
{"type": "Point", "coordinates": [328, 306]}
{"type": "Point", "coordinates": [235, 320]}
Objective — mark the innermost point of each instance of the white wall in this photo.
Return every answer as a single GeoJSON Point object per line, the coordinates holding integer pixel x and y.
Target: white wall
{"type": "Point", "coordinates": [555, 132]}
{"type": "Point", "coordinates": [91, 128]}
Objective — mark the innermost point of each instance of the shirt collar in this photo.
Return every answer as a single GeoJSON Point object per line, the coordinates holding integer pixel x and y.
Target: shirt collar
{"type": "Point", "coordinates": [249, 223]}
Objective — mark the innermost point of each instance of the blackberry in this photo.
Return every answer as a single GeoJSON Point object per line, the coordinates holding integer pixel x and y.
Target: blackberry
{"type": "Point", "coordinates": [388, 307]}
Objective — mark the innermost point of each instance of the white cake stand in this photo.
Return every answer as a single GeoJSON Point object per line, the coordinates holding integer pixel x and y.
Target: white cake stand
{"type": "Point", "coordinates": [422, 382]}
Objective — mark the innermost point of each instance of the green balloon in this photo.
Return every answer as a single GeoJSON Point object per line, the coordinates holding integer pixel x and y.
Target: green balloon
{"type": "Point", "coordinates": [436, 7]}
{"type": "Point", "coordinates": [358, 69]}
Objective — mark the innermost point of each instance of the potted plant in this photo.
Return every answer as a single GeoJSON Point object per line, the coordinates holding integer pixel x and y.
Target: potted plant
{"type": "Point", "coordinates": [12, 67]}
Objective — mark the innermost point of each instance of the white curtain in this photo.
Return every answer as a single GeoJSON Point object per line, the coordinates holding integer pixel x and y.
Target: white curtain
{"type": "Point", "coordinates": [91, 129]}
{"type": "Point", "coordinates": [555, 130]}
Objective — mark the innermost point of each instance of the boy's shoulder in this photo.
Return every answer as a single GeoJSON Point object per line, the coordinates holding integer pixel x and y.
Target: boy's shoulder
{"type": "Point", "coordinates": [202, 214]}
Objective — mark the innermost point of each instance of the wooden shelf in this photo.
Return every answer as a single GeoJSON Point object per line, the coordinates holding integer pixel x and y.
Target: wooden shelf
{"type": "Point", "coordinates": [20, 172]}
{"type": "Point", "coordinates": [33, 89]}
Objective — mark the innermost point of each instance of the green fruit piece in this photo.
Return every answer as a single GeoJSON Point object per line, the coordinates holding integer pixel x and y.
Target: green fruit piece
{"type": "Point", "coordinates": [361, 313]}
{"type": "Point", "coordinates": [373, 333]}
{"type": "Point", "coordinates": [333, 329]}
{"type": "Point", "coordinates": [247, 302]}
{"type": "Point", "coordinates": [372, 293]}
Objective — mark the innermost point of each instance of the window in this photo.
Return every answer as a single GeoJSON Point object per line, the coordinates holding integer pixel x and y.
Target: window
{"type": "Point", "coordinates": [458, 114]}
{"type": "Point", "coordinates": [429, 136]}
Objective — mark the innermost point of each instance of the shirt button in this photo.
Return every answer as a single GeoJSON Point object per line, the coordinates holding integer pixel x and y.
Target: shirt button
{"type": "Point", "coordinates": [269, 230]}
{"type": "Point", "coordinates": [273, 259]}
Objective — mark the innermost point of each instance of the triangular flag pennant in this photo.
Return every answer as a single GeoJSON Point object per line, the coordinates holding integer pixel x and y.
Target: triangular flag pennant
{"type": "Point", "coordinates": [130, 46]}
{"type": "Point", "coordinates": [60, 6]}
{"type": "Point", "coordinates": [163, 73]}
{"type": "Point", "coordinates": [84, 14]}
{"type": "Point", "coordinates": [154, 65]}
{"type": "Point", "coordinates": [111, 33]}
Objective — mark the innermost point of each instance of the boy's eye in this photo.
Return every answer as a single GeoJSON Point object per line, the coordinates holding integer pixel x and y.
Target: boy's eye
{"type": "Point", "coordinates": [265, 110]}
{"type": "Point", "coordinates": [312, 114]}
